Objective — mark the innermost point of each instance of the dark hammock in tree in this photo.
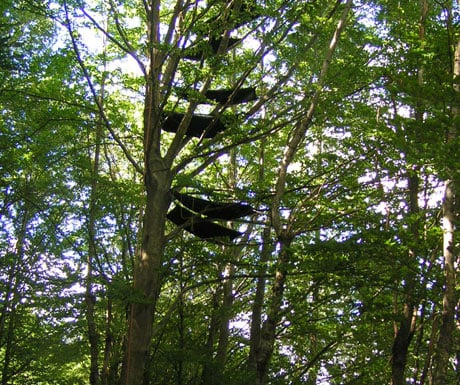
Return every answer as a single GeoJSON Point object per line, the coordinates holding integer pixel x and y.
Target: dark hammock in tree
{"type": "Point", "coordinates": [196, 215]}
{"type": "Point", "coordinates": [199, 125]}
{"type": "Point", "coordinates": [242, 95]}
{"type": "Point", "coordinates": [209, 48]}
{"type": "Point", "coordinates": [198, 226]}
{"type": "Point", "coordinates": [238, 96]}
{"type": "Point", "coordinates": [224, 211]}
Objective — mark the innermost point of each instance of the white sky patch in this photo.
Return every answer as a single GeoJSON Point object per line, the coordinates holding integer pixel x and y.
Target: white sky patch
{"type": "Point", "coordinates": [242, 324]}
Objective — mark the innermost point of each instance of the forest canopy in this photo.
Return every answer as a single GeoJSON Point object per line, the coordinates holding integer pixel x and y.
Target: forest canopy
{"type": "Point", "coordinates": [229, 192]}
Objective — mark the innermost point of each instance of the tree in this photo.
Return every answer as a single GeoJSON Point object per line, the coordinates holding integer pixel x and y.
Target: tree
{"type": "Point", "coordinates": [322, 129]}
{"type": "Point", "coordinates": [163, 56]}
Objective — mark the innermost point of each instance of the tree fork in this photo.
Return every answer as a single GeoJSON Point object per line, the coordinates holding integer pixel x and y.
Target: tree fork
{"type": "Point", "coordinates": [157, 181]}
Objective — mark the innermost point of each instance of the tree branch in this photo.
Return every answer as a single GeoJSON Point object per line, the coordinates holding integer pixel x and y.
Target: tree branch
{"type": "Point", "coordinates": [94, 93]}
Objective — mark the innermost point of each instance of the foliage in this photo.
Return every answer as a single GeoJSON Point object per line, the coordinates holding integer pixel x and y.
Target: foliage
{"type": "Point", "coordinates": [72, 86]}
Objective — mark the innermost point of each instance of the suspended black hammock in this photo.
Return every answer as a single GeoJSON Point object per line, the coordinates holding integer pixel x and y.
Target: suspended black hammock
{"type": "Point", "coordinates": [196, 215]}
{"type": "Point", "coordinates": [207, 126]}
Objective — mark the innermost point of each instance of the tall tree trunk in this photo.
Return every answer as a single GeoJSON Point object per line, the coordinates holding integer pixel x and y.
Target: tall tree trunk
{"type": "Point", "coordinates": [446, 332]}
{"type": "Point", "coordinates": [90, 297]}
{"type": "Point", "coordinates": [268, 332]}
{"type": "Point", "coordinates": [445, 341]}
{"type": "Point", "coordinates": [257, 305]}
{"type": "Point", "coordinates": [403, 337]}
{"type": "Point", "coordinates": [9, 321]}
{"type": "Point", "coordinates": [208, 374]}
{"type": "Point", "coordinates": [258, 302]}
{"type": "Point", "coordinates": [225, 315]}
{"type": "Point", "coordinates": [266, 344]}
{"type": "Point", "coordinates": [7, 348]}
{"type": "Point", "coordinates": [406, 328]}
{"type": "Point", "coordinates": [108, 346]}
{"type": "Point", "coordinates": [157, 179]}
{"type": "Point", "coordinates": [227, 284]}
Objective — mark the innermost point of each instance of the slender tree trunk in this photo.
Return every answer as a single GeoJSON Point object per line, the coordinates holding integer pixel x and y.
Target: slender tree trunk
{"type": "Point", "coordinates": [182, 328]}
{"type": "Point", "coordinates": [90, 297]}
{"type": "Point", "coordinates": [207, 376]}
{"type": "Point", "coordinates": [8, 351]}
{"type": "Point", "coordinates": [93, 336]}
{"type": "Point", "coordinates": [10, 308]}
{"type": "Point", "coordinates": [446, 332]}
{"type": "Point", "coordinates": [314, 346]}
{"type": "Point", "coordinates": [225, 315]}
{"type": "Point", "coordinates": [258, 302]}
{"type": "Point", "coordinates": [257, 306]}
{"type": "Point", "coordinates": [406, 328]}
{"type": "Point", "coordinates": [213, 368]}
{"type": "Point", "coordinates": [8, 297]}
{"type": "Point", "coordinates": [108, 346]}
{"type": "Point", "coordinates": [268, 332]}
{"type": "Point", "coordinates": [401, 343]}
{"type": "Point", "coordinates": [425, 376]}
{"type": "Point", "coordinates": [227, 286]}
{"type": "Point", "coordinates": [267, 339]}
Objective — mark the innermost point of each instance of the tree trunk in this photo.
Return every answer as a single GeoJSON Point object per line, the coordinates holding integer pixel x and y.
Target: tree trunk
{"type": "Point", "coordinates": [90, 297]}
{"type": "Point", "coordinates": [446, 331]}
{"type": "Point", "coordinates": [258, 303]}
{"type": "Point", "coordinates": [207, 376]}
{"type": "Point", "coordinates": [157, 179]}
{"type": "Point", "coordinates": [12, 298]}
{"type": "Point", "coordinates": [447, 328]}
{"type": "Point", "coordinates": [401, 343]}
{"type": "Point", "coordinates": [7, 348]}
{"type": "Point", "coordinates": [225, 315]}
{"type": "Point", "coordinates": [266, 344]}
{"type": "Point", "coordinates": [406, 329]}
{"type": "Point", "coordinates": [147, 281]}
{"type": "Point", "coordinates": [268, 332]}
{"type": "Point", "coordinates": [108, 346]}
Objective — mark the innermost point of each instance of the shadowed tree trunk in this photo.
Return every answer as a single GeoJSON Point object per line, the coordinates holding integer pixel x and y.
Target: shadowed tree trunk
{"type": "Point", "coordinates": [257, 306]}
{"type": "Point", "coordinates": [11, 299]}
{"type": "Point", "coordinates": [259, 296]}
{"type": "Point", "coordinates": [90, 297]}
{"type": "Point", "coordinates": [147, 276]}
{"type": "Point", "coordinates": [406, 328]}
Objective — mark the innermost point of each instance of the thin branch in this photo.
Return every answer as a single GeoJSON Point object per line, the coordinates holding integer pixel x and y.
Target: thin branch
{"type": "Point", "coordinates": [50, 98]}
{"type": "Point", "coordinates": [299, 132]}
{"type": "Point", "coordinates": [94, 93]}
{"type": "Point", "coordinates": [128, 49]}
